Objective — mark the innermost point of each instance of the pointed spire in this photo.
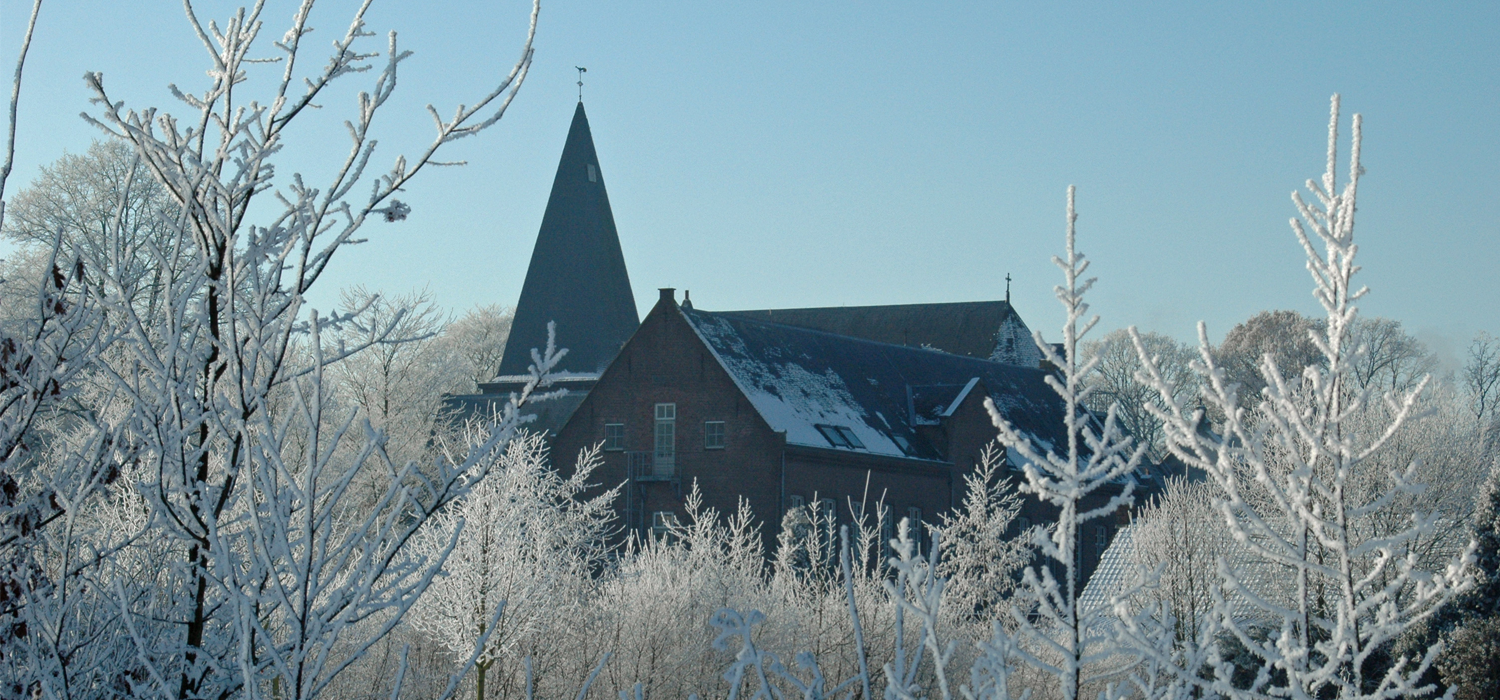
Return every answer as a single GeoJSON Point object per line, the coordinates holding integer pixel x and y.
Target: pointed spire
{"type": "Point", "coordinates": [577, 275]}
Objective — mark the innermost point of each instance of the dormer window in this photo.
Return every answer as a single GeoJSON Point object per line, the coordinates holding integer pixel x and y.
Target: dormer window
{"type": "Point", "coordinates": [840, 436]}
{"type": "Point", "coordinates": [593, 173]}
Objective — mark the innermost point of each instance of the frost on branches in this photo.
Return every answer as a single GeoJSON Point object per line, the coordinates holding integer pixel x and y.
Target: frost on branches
{"type": "Point", "coordinates": [1044, 626]}
{"type": "Point", "coordinates": [185, 527]}
{"type": "Point", "coordinates": [1323, 586]}
{"type": "Point", "coordinates": [524, 545]}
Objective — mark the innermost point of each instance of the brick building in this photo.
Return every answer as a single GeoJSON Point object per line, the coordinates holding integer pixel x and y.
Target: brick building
{"type": "Point", "coordinates": [786, 408]}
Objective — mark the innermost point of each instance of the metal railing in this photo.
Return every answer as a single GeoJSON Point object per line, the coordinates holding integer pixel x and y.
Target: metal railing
{"type": "Point", "coordinates": [642, 468]}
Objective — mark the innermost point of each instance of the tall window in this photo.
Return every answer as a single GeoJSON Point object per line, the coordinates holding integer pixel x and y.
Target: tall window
{"type": "Point", "coordinates": [614, 437]}
{"type": "Point", "coordinates": [914, 525]}
{"type": "Point", "coordinates": [829, 509]}
{"type": "Point", "coordinates": [793, 502]}
{"type": "Point", "coordinates": [887, 531]}
{"type": "Point", "coordinates": [713, 435]}
{"type": "Point", "coordinates": [666, 439]}
{"type": "Point", "coordinates": [1101, 538]}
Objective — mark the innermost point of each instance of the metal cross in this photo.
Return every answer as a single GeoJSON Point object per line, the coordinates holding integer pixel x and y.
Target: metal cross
{"type": "Point", "coordinates": [1007, 287]}
{"type": "Point", "coordinates": [581, 71]}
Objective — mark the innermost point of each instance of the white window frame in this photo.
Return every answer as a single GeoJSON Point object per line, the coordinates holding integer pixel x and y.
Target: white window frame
{"type": "Point", "coordinates": [611, 445]}
{"type": "Point", "coordinates": [664, 440]}
{"type": "Point", "coordinates": [712, 428]}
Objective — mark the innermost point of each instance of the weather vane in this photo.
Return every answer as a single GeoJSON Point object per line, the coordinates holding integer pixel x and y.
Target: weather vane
{"type": "Point", "coordinates": [581, 71]}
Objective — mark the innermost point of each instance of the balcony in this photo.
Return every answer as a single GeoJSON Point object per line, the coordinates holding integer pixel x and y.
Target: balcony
{"type": "Point", "coordinates": [646, 466]}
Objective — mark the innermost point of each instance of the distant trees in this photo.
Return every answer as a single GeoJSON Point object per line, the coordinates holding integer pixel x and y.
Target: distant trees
{"type": "Point", "coordinates": [1114, 383]}
{"type": "Point", "coordinates": [1480, 377]}
{"type": "Point", "coordinates": [103, 208]}
{"type": "Point", "coordinates": [478, 339]}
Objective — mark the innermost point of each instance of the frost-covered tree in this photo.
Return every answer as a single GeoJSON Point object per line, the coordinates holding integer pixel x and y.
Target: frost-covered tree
{"type": "Point", "coordinates": [477, 341]}
{"type": "Point", "coordinates": [527, 543]}
{"type": "Point", "coordinates": [1284, 335]}
{"type": "Point", "coordinates": [1178, 537]}
{"type": "Point", "coordinates": [272, 581]}
{"type": "Point", "coordinates": [399, 380]}
{"type": "Point", "coordinates": [1114, 383]}
{"type": "Point", "coordinates": [104, 209]}
{"type": "Point", "coordinates": [981, 556]}
{"type": "Point", "coordinates": [1387, 358]}
{"type": "Point", "coordinates": [1471, 662]}
{"type": "Point", "coordinates": [1318, 597]}
{"type": "Point", "coordinates": [1480, 376]}
{"type": "Point", "coordinates": [1045, 627]}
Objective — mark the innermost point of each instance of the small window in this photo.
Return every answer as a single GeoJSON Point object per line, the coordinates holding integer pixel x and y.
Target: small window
{"type": "Point", "coordinates": [833, 435]}
{"type": "Point", "coordinates": [1024, 523]}
{"type": "Point", "coordinates": [840, 436]}
{"type": "Point", "coordinates": [793, 502]}
{"type": "Point", "coordinates": [857, 511]}
{"type": "Point", "coordinates": [1101, 538]}
{"type": "Point", "coordinates": [713, 435]}
{"type": "Point", "coordinates": [614, 437]}
{"type": "Point", "coordinates": [666, 411]}
{"type": "Point", "coordinates": [593, 173]}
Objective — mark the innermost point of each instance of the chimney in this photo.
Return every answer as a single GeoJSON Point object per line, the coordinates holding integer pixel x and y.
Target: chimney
{"type": "Point", "coordinates": [687, 300]}
{"type": "Point", "coordinates": [669, 295]}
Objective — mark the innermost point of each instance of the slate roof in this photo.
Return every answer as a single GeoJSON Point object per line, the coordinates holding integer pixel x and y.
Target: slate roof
{"type": "Point", "coordinates": [577, 274]}
{"type": "Point", "coordinates": [548, 416]}
{"type": "Point", "coordinates": [798, 378]}
{"type": "Point", "coordinates": [972, 328]}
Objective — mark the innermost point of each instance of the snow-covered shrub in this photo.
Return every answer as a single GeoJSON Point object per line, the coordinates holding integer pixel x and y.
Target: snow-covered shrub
{"type": "Point", "coordinates": [526, 545]}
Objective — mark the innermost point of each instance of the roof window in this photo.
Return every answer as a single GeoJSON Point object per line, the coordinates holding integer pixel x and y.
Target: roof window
{"type": "Point", "coordinates": [593, 173]}
{"type": "Point", "coordinates": [840, 436]}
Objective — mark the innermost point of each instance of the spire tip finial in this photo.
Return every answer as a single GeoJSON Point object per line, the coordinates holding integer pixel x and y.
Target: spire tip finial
{"type": "Point", "coordinates": [581, 71]}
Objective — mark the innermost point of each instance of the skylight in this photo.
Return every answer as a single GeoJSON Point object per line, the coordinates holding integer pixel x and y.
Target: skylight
{"type": "Point", "coordinates": [840, 436]}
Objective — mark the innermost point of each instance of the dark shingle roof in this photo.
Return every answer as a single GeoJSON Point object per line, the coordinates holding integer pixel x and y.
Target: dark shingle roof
{"type": "Point", "coordinates": [970, 328]}
{"type": "Point", "coordinates": [799, 378]}
{"type": "Point", "coordinates": [577, 274]}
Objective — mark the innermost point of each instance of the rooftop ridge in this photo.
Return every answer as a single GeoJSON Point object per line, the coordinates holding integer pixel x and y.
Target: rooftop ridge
{"type": "Point", "coordinates": [866, 341]}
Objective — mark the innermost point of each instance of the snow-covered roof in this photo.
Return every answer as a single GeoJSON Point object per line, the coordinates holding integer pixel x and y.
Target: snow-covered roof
{"type": "Point", "coordinates": [1116, 571]}
{"type": "Point", "coordinates": [805, 382]}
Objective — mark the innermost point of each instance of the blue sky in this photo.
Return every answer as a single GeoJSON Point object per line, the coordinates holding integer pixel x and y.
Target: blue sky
{"type": "Point", "coordinates": [778, 154]}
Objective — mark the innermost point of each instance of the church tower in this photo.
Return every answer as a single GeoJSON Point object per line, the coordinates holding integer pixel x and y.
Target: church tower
{"type": "Point", "coordinates": [577, 275]}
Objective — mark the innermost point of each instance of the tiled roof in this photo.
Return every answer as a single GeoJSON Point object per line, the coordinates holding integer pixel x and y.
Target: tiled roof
{"type": "Point", "coordinates": [799, 379]}
{"type": "Point", "coordinates": [1117, 570]}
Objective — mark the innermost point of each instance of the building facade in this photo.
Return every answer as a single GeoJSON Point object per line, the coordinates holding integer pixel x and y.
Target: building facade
{"type": "Point", "coordinates": [839, 408]}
